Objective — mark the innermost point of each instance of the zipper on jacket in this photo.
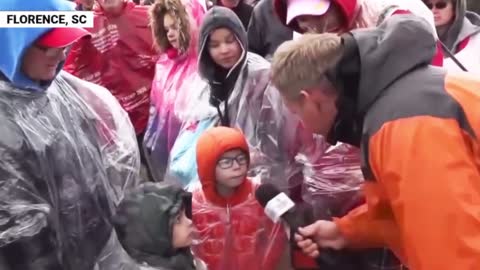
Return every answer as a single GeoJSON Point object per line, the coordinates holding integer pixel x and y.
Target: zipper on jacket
{"type": "Point", "coordinates": [228, 214]}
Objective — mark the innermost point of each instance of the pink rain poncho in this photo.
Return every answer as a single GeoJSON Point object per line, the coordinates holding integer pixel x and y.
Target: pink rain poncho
{"type": "Point", "coordinates": [174, 71]}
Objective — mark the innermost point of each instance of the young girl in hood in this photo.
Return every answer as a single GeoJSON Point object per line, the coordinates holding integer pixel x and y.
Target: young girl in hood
{"type": "Point", "coordinates": [154, 227]}
{"type": "Point", "coordinates": [175, 30]}
{"type": "Point", "coordinates": [233, 231]}
{"type": "Point", "coordinates": [234, 90]}
{"type": "Point", "coordinates": [459, 30]}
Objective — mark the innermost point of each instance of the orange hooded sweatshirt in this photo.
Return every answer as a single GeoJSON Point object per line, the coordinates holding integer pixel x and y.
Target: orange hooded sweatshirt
{"type": "Point", "coordinates": [233, 233]}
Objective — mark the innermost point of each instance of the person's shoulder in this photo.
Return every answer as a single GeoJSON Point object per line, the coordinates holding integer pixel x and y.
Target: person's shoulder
{"type": "Point", "coordinates": [140, 8]}
{"type": "Point", "coordinates": [416, 94]}
{"type": "Point", "coordinates": [263, 5]}
{"type": "Point", "coordinates": [249, 7]}
{"type": "Point", "coordinates": [198, 197]}
{"type": "Point", "coordinates": [259, 8]}
{"type": "Point", "coordinates": [256, 62]}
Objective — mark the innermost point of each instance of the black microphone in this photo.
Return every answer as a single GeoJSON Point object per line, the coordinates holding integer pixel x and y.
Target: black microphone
{"type": "Point", "coordinates": [278, 205]}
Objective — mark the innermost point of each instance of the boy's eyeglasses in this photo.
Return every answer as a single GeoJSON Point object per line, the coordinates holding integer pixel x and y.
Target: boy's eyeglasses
{"type": "Point", "coordinates": [438, 5]}
{"type": "Point", "coordinates": [227, 163]}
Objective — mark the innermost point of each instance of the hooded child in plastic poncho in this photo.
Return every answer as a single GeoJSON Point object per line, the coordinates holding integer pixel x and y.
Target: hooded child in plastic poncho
{"type": "Point", "coordinates": [68, 153]}
{"type": "Point", "coordinates": [233, 89]}
{"type": "Point", "coordinates": [175, 29]}
{"type": "Point", "coordinates": [233, 231]}
{"type": "Point", "coordinates": [153, 224]}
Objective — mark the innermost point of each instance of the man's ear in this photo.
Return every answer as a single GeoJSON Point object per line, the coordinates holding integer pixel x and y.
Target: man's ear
{"type": "Point", "coordinates": [304, 94]}
{"type": "Point", "coordinates": [315, 95]}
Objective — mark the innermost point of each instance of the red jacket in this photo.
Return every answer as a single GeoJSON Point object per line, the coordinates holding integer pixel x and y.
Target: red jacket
{"type": "Point", "coordinates": [121, 57]}
{"type": "Point", "coordinates": [233, 233]}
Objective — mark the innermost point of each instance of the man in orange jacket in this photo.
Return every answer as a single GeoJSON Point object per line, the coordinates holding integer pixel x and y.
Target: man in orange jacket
{"type": "Point", "coordinates": [417, 126]}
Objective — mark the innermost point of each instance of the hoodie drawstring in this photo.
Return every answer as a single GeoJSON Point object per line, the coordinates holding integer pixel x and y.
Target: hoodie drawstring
{"type": "Point", "coordinates": [224, 118]}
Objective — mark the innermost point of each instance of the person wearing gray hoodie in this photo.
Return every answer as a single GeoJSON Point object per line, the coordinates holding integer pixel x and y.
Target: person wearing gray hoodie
{"type": "Point", "coordinates": [459, 30]}
{"type": "Point", "coordinates": [265, 30]}
{"type": "Point", "coordinates": [473, 5]}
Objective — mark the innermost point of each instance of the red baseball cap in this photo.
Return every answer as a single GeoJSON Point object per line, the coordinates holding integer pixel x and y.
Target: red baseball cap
{"type": "Point", "coordinates": [62, 37]}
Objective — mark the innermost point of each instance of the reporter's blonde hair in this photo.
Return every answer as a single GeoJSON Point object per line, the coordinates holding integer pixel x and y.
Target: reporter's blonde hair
{"type": "Point", "coordinates": [301, 64]}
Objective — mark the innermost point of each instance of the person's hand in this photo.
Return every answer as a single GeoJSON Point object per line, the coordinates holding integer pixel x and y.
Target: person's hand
{"type": "Point", "coordinates": [321, 234]}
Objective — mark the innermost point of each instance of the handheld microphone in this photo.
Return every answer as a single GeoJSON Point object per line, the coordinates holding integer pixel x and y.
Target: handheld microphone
{"type": "Point", "coordinates": [278, 206]}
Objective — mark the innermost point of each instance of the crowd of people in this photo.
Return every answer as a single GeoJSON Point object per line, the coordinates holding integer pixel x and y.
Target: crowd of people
{"type": "Point", "coordinates": [140, 143]}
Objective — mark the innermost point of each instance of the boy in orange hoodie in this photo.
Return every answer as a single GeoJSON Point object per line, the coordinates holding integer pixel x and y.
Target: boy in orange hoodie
{"type": "Point", "coordinates": [233, 231]}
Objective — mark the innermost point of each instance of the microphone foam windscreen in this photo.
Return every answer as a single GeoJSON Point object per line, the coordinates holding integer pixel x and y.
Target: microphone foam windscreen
{"type": "Point", "coordinates": [266, 192]}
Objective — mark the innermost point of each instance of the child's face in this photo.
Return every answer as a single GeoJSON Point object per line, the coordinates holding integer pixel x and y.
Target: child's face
{"type": "Point", "coordinates": [224, 48]}
{"type": "Point", "coordinates": [182, 231]}
{"type": "Point", "coordinates": [232, 168]}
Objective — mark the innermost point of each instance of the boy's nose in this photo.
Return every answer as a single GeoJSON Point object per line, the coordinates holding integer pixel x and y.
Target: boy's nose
{"type": "Point", "coordinates": [235, 164]}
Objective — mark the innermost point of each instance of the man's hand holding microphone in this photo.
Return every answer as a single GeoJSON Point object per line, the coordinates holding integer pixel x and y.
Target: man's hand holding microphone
{"type": "Point", "coordinates": [321, 234]}
{"type": "Point", "coordinates": [321, 240]}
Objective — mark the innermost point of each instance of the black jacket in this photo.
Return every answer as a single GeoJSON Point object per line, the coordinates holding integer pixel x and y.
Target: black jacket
{"type": "Point", "coordinates": [265, 31]}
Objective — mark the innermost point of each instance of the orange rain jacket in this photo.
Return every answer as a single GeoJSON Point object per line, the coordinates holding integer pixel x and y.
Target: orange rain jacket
{"type": "Point", "coordinates": [417, 126]}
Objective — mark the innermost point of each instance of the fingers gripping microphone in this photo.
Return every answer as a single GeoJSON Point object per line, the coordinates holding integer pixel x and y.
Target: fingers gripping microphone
{"type": "Point", "coordinates": [278, 206]}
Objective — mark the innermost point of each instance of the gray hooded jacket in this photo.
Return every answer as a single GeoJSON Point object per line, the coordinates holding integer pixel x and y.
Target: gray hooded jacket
{"type": "Point", "coordinates": [465, 24]}
{"type": "Point", "coordinates": [144, 225]}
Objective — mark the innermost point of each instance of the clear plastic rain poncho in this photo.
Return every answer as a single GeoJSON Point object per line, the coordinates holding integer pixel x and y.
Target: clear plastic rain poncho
{"type": "Point", "coordinates": [67, 156]}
